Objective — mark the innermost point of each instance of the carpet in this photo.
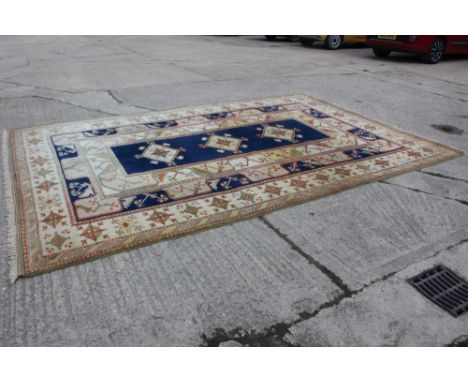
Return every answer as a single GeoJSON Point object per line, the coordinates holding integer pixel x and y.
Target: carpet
{"type": "Point", "coordinates": [83, 190]}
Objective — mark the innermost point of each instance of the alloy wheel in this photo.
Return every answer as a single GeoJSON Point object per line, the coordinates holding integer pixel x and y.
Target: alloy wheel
{"type": "Point", "coordinates": [333, 42]}
{"type": "Point", "coordinates": [437, 50]}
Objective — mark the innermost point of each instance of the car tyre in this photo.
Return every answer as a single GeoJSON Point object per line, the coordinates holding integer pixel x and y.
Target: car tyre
{"type": "Point", "coordinates": [270, 38]}
{"type": "Point", "coordinates": [293, 38]}
{"type": "Point", "coordinates": [381, 52]}
{"type": "Point", "coordinates": [436, 51]}
{"type": "Point", "coordinates": [333, 42]}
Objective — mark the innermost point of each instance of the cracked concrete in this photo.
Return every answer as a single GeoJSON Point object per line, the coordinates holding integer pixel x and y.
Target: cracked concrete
{"type": "Point", "coordinates": [401, 316]}
{"type": "Point", "coordinates": [332, 276]}
{"type": "Point", "coordinates": [446, 189]}
{"type": "Point", "coordinates": [328, 272]}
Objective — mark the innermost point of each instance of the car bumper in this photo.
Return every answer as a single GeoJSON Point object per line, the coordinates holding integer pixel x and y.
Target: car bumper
{"type": "Point", "coordinates": [313, 38]}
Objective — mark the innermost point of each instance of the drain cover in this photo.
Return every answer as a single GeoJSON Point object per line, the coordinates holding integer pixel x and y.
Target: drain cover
{"type": "Point", "coordinates": [443, 287]}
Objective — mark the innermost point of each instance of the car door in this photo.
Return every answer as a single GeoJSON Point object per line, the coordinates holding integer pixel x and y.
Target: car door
{"type": "Point", "coordinates": [457, 44]}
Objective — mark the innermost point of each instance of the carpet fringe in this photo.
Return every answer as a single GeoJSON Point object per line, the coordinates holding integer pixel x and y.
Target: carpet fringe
{"type": "Point", "coordinates": [11, 236]}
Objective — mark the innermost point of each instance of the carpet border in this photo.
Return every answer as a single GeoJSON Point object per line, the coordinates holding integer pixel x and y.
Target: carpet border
{"type": "Point", "coordinates": [9, 179]}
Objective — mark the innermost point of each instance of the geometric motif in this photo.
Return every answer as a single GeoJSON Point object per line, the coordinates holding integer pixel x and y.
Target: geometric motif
{"type": "Point", "coordinates": [83, 190]}
{"type": "Point", "coordinates": [278, 132]}
{"type": "Point", "coordinates": [159, 153]}
{"type": "Point", "coordinates": [224, 143]}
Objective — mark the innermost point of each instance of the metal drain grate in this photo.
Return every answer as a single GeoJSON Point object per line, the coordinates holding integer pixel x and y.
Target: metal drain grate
{"type": "Point", "coordinates": [443, 287]}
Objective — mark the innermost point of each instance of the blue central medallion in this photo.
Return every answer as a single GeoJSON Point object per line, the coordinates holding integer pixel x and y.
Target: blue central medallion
{"type": "Point", "coordinates": [164, 153]}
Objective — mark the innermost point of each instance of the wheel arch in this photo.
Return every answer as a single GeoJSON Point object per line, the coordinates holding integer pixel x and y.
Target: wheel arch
{"type": "Point", "coordinates": [341, 35]}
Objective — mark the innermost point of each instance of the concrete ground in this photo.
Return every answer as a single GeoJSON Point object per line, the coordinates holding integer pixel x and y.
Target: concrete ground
{"type": "Point", "coordinates": [329, 272]}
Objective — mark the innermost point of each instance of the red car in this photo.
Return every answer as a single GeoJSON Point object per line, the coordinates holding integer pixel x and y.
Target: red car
{"type": "Point", "coordinates": [430, 48]}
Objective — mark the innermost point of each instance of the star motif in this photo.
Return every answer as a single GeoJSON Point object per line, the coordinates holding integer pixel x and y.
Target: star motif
{"type": "Point", "coordinates": [39, 160]}
{"type": "Point", "coordinates": [223, 142]}
{"type": "Point", "coordinates": [272, 190]}
{"type": "Point", "coordinates": [53, 219]}
{"type": "Point", "coordinates": [191, 210]}
{"type": "Point", "coordinates": [161, 152]}
{"type": "Point", "coordinates": [220, 203]}
{"type": "Point", "coordinates": [381, 162]}
{"type": "Point", "coordinates": [159, 217]}
{"type": "Point", "coordinates": [92, 232]}
{"type": "Point", "coordinates": [46, 185]}
{"type": "Point", "coordinates": [298, 183]}
{"type": "Point", "coordinates": [414, 154]}
{"type": "Point", "coordinates": [34, 141]}
{"type": "Point", "coordinates": [342, 171]}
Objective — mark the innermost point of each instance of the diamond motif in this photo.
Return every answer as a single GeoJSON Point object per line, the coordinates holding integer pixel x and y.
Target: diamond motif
{"type": "Point", "coordinates": [414, 154]}
{"type": "Point", "coordinates": [342, 171]}
{"type": "Point", "coordinates": [298, 183]}
{"type": "Point", "coordinates": [278, 132]}
{"type": "Point", "coordinates": [272, 190]}
{"type": "Point", "coordinates": [34, 141]}
{"type": "Point", "coordinates": [220, 203]}
{"type": "Point", "coordinates": [224, 143]}
{"type": "Point", "coordinates": [322, 177]}
{"type": "Point", "coordinates": [381, 162]}
{"type": "Point", "coordinates": [40, 161]}
{"type": "Point", "coordinates": [58, 240]}
{"type": "Point", "coordinates": [362, 167]}
{"type": "Point", "coordinates": [191, 210]}
{"type": "Point", "coordinates": [247, 197]}
{"type": "Point", "coordinates": [160, 153]}
{"type": "Point", "coordinates": [46, 185]}
{"type": "Point", "coordinates": [43, 172]}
